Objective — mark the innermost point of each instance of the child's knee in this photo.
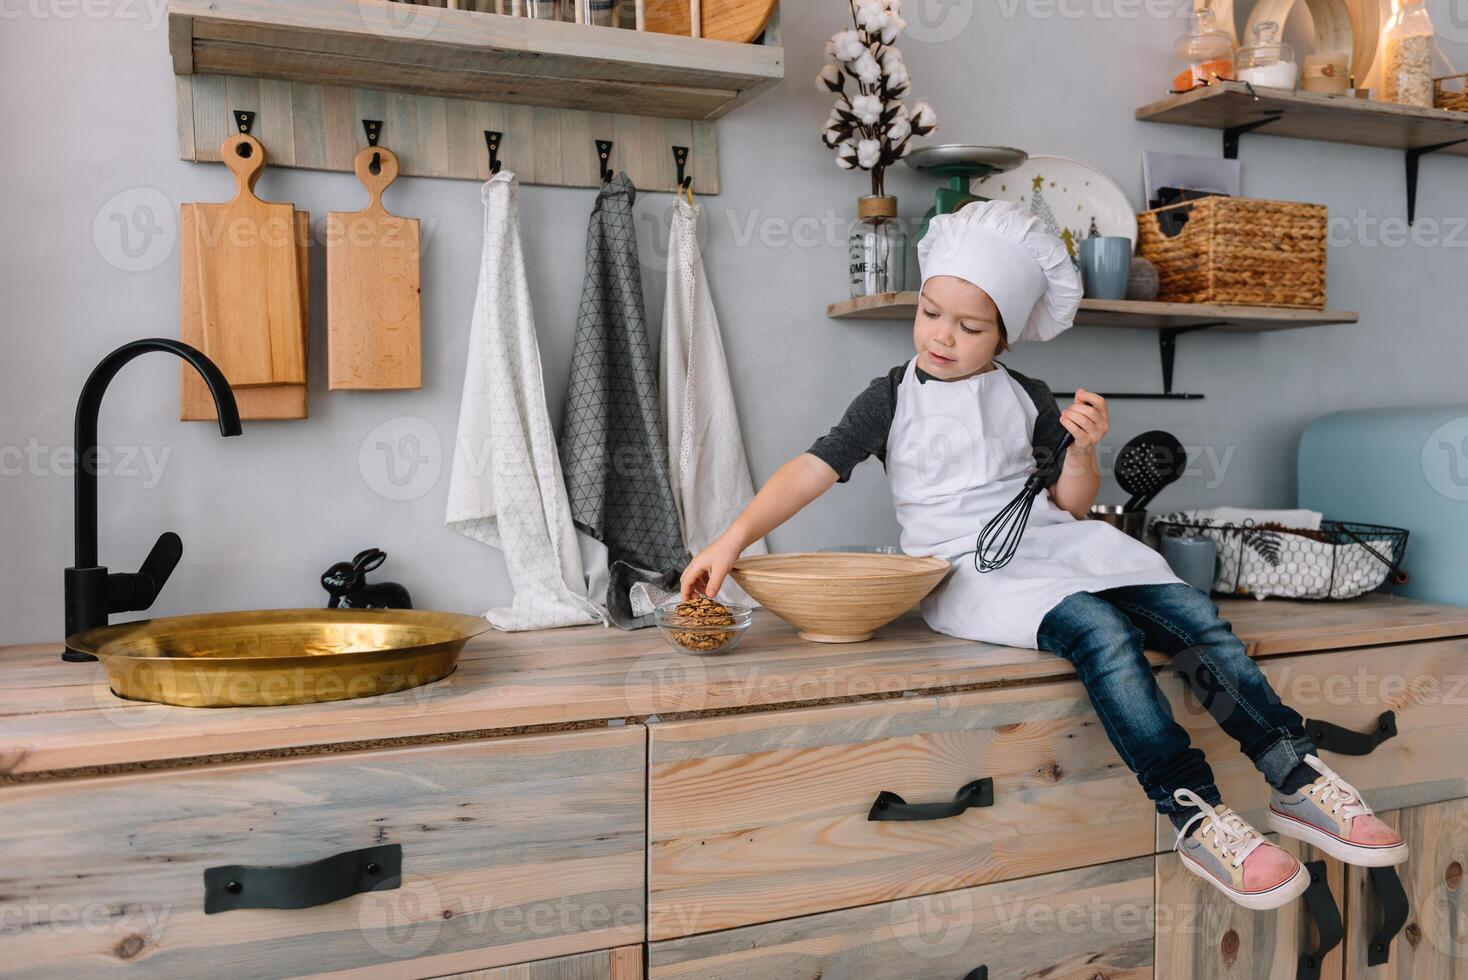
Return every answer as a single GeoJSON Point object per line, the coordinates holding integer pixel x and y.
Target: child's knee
{"type": "Point", "coordinates": [1090, 627]}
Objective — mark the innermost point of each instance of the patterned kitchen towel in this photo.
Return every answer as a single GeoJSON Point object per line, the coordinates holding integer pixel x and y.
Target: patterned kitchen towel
{"type": "Point", "coordinates": [506, 488]}
{"type": "Point", "coordinates": [612, 447]}
{"type": "Point", "coordinates": [706, 461]}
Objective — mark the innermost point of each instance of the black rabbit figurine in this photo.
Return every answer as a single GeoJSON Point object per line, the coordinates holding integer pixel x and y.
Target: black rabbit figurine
{"type": "Point", "coordinates": [346, 583]}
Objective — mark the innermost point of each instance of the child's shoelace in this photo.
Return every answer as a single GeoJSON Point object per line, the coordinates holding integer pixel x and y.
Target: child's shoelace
{"type": "Point", "coordinates": [1334, 792]}
{"type": "Point", "coordinates": [1230, 832]}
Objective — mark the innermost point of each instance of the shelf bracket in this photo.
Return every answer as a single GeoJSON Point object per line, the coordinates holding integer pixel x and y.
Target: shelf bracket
{"type": "Point", "coordinates": [1412, 157]}
{"type": "Point", "coordinates": [1231, 134]}
{"type": "Point", "coordinates": [1167, 350]}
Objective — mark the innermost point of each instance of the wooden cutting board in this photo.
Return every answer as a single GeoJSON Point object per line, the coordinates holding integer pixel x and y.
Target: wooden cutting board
{"type": "Point", "coordinates": [261, 402]}
{"type": "Point", "coordinates": [248, 281]}
{"type": "Point", "coordinates": [723, 20]}
{"type": "Point", "coordinates": [372, 290]}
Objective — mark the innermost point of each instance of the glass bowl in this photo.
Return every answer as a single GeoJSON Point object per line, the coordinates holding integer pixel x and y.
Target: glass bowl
{"type": "Point", "coordinates": [697, 636]}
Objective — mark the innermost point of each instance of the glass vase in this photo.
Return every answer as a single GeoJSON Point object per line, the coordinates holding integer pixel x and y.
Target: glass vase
{"type": "Point", "coordinates": [877, 248]}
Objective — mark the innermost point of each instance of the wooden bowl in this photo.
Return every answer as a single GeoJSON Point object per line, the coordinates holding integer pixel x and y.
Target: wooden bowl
{"type": "Point", "coordinates": [834, 597]}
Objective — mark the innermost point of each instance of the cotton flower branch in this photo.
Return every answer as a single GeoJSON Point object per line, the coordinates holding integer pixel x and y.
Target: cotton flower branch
{"type": "Point", "coordinates": [870, 127]}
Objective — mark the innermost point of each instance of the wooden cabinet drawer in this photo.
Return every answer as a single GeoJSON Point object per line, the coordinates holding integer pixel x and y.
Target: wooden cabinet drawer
{"type": "Point", "coordinates": [623, 963]}
{"type": "Point", "coordinates": [1424, 685]}
{"type": "Point", "coordinates": [759, 817]}
{"type": "Point", "coordinates": [1433, 943]}
{"type": "Point", "coordinates": [1069, 925]}
{"type": "Point", "coordinates": [1201, 935]}
{"type": "Point", "coordinates": [512, 849]}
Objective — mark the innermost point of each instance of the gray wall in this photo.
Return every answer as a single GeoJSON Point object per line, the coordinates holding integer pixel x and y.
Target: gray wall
{"type": "Point", "coordinates": [88, 132]}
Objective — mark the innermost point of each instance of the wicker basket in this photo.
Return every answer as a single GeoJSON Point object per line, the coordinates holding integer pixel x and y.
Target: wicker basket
{"type": "Point", "coordinates": [1455, 98]}
{"type": "Point", "coordinates": [1237, 250]}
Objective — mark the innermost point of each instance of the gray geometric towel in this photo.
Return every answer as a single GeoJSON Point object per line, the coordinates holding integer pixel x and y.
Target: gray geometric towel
{"type": "Point", "coordinates": [612, 449]}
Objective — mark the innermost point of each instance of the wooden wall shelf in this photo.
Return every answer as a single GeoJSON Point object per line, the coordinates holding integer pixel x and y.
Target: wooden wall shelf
{"type": "Point", "coordinates": [1307, 115]}
{"type": "Point", "coordinates": [1122, 313]}
{"type": "Point", "coordinates": [465, 54]}
{"type": "Point", "coordinates": [438, 79]}
{"type": "Point", "coordinates": [1238, 108]}
{"type": "Point", "coordinates": [1170, 320]}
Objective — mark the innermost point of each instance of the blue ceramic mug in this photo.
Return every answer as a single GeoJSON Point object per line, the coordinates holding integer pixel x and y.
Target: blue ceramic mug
{"type": "Point", "coordinates": [1106, 266]}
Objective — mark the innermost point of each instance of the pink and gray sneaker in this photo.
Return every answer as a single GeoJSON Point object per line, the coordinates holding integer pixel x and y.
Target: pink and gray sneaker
{"type": "Point", "coordinates": [1330, 815]}
{"type": "Point", "coordinates": [1236, 859]}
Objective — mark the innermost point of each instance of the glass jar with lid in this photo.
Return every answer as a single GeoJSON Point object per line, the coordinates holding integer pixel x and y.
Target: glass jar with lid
{"type": "Point", "coordinates": [598, 13]}
{"type": "Point", "coordinates": [1268, 61]}
{"type": "Point", "coordinates": [1407, 43]}
{"type": "Point", "coordinates": [877, 247]}
{"type": "Point", "coordinates": [1206, 51]}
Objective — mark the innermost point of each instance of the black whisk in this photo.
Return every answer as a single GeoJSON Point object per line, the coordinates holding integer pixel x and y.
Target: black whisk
{"type": "Point", "coordinates": [999, 539]}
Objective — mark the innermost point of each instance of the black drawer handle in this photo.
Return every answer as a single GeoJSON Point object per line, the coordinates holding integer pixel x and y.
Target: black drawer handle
{"type": "Point", "coordinates": [1393, 899]}
{"type": "Point", "coordinates": [300, 886]}
{"type": "Point", "coordinates": [890, 806]}
{"type": "Point", "coordinates": [1343, 741]}
{"type": "Point", "coordinates": [1327, 918]}
{"type": "Point", "coordinates": [977, 973]}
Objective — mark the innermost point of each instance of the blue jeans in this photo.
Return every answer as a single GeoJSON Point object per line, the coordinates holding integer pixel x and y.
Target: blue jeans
{"type": "Point", "coordinates": [1104, 635]}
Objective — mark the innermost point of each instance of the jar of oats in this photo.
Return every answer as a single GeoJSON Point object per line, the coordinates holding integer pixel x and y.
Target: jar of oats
{"type": "Point", "coordinates": [1407, 43]}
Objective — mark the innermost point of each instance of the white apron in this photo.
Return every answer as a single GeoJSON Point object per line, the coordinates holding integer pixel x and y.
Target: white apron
{"type": "Point", "coordinates": [958, 451]}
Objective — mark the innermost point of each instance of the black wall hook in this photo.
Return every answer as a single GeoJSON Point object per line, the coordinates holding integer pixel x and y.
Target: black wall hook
{"type": "Point", "coordinates": [492, 140]}
{"type": "Point", "coordinates": [680, 158]}
{"type": "Point", "coordinates": [604, 155]}
{"type": "Point", "coordinates": [374, 133]}
{"type": "Point", "coordinates": [245, 120]}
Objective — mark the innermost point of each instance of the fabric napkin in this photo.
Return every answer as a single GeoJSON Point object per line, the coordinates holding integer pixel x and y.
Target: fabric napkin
{"type": "Point", "coordinates": [612, 448]}
{"type": "Point", "coordinates": [706, 460]}
{"type": "Point", "coordinates": [506, 488]}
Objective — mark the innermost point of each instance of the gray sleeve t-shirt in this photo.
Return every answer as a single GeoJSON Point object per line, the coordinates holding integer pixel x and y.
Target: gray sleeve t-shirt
{"type": "Point", "coordinates": [862, 431]}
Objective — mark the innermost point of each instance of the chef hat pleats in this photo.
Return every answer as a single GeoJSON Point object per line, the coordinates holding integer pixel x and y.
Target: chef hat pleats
{"type": "Point", "coordinates": [1007, 252]}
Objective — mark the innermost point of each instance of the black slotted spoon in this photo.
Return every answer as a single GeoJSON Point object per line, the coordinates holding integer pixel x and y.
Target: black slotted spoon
{"type": "Point", "coordinates": [1147, 465]}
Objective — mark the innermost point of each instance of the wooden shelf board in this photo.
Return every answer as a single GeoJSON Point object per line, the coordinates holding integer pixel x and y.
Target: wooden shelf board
{"type": "Point", "coordinates": [1122, 313]}
{"type": "Point", "coordinates": [465, 54]}
{"type": "Point", "coordinates": [1307, 115]}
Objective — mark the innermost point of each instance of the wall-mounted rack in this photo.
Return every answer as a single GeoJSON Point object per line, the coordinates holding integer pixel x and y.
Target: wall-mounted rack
{"type": "Point", "coordinates": [438, 78]}
{"type": "Point", "coordinates": [1238, 108]}
{"type": "Point", "coordinates": [1170, 320]}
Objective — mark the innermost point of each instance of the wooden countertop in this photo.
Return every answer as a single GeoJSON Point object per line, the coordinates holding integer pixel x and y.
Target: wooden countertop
{"type": "Point", "coordinates": [58, 716]}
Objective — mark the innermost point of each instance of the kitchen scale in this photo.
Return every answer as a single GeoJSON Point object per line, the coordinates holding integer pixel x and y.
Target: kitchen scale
{"type": "Point", "coordinates": [960, 163]}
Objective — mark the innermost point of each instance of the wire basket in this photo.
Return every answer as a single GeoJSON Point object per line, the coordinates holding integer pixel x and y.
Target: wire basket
{"type": "Point", "coordinates": [1341, 560]}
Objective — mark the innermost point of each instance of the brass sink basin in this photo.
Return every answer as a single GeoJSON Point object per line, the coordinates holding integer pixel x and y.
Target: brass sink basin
{"type": "Point", "coordinates": [278, 656]}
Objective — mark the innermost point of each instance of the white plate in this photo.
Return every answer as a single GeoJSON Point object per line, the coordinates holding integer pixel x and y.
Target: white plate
{"type": "Point", "coordinates": [1071, 194]}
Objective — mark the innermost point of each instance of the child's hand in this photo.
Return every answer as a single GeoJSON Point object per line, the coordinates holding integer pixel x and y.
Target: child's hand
{"type": "Point", "coordinates": [706, 572]}
{"type": "Point", "coordinates": [1086, 419]}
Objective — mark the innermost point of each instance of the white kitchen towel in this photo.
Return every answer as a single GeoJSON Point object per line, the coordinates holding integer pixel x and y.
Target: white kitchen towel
{"type": "Point", "coordinates": [706, 460]}
{"type": "Point", "coordinates": [1308, 519]}
{"type": "Point", "coordinates": [506, 489]}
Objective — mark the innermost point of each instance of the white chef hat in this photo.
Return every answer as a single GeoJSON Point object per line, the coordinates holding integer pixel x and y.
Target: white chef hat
{"type": "Point", "coordinates": [1007, 252]}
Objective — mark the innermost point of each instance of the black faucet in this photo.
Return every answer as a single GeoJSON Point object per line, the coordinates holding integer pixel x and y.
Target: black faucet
{"type": "Point", "coordinates": [92, 593]}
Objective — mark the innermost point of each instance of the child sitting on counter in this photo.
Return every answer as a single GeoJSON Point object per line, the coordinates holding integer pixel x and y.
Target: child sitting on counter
{"type": "Point", "coordinates": [959, 434]}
